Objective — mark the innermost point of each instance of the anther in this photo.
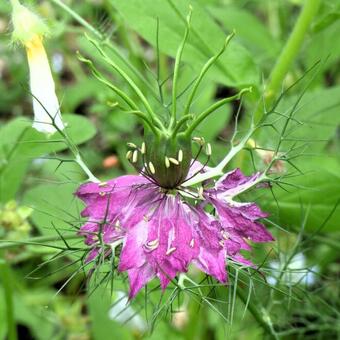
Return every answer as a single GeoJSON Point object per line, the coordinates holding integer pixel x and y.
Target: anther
{"type": "Point", "coordinates": [180, 156]}
{"type": "Point", "coordinates": [173, 161]}
{"type": "Point", "coordinates": [128, 154]}
{"type": "Point", "coordinates": [102, 193]}
{"type": "Point", "coordinates": [199, 140]}
{"type": "Point", "coordinates": [225, 235]}
{"type": "Point", "coordinates": [200, 192]}
{"type": "Point", "coordinates": [132, 145]}
{"type": "Point", "coordinates": [117, 225]}
{"type": "Point", "coordinates": [221, 243]}
{"type": "Point", "coordinates": [192, 243]}
{"type": "Point", "coordinates": [134, 156]}
{"type": "Point", "coordinates": [152, 245]}
{"type": "Point", "coordinates": [167, 162]}
{"type": "Point", "coordinates": [170, 251]}
{"type": "Point", "coordinates": [208, 149]}
{"type": "Point", "coordinates": [143, 148]}
{"type": "Point", "coordinates": [102, 184]}
{"type": "Point", "coordinates": [152, 168]}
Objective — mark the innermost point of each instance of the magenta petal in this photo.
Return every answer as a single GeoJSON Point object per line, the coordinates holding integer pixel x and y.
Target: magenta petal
{"type": "Point", "coordinates": [89, 230]}
{"type": "Point", "coordinates": [139, 278]}
{"type": "Point", "coordinates": [92, 254]}
{"type": "Point", "coordinates": [234, 182]}
{"type": "Point", "coordinates": [212, 264]}
{"type": "Point", "coordinates": [132, 255]}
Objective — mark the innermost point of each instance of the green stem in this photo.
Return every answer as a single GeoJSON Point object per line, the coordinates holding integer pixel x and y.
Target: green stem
{"type": "Point", "coordinates": [288, 53]}
{"type": "Point", "coordinates": [176, 71]}
{"type": "Point", "coordinates": [7, 281]}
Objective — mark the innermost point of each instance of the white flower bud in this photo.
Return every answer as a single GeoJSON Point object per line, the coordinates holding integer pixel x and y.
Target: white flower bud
{"type": "Point", "coordinates": [29, 30]}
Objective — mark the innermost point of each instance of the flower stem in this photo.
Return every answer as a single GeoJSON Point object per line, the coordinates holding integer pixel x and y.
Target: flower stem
{"type": "Point", "coordinates": [288, 53]}
{"type": "Point", "coordinates": [87, 171]}
{"type": "Point", "coordinates": [7, 281]}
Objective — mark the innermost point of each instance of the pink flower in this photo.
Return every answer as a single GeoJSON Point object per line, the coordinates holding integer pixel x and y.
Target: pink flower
{"type": "Point", "coordinates": [162, 233]}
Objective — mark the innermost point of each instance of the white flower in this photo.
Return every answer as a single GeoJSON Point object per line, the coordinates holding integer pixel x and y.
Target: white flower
{"type": "Point", "coordinates": [122, 312]}
{"type": "Point", "coordinates": [29, 29]}
{"type": "Point", "coordinates": [296, 272]}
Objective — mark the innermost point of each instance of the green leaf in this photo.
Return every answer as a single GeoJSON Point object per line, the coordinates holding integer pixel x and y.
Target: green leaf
{"type": "Point", "coordinates": [99, 304]}
{"type": "Point", "coordinates": [319, 113]}
{"type": "Point", "coordinates": [249, 30]}
{"type": "Point", "coordinates": [235, 67]}
{"type": "Point", "coordinates": [20, 144]}
{"type": "Point", "coordinates": [54, 206]}
{"type": "Point", "coordinates": [317, 196]}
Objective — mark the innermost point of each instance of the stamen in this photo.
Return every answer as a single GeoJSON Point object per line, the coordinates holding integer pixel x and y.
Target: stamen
{"type": "Point", "coordinates": [132, 145]}
{"type": "Point", "coordinates": [192, 243]}
{"type": "Point", "coordinates": [173, 161]}
{"type": "Point", "coordinates": [225, 235]}
{"type": "Point", "coordinates": [128, 155]}
{"type": "Point", "coordinates": [152, 245]}
{"type": "Point", "coordinates": [170, 251]}
{"type": "Point", "coordinates": [200, 192]}
{"type": "Point", "coordinates": [199, 140]}
{"type": "Point", "coordinates": [152, 168]}
{"type": "Point", "coordinates": [143, 148]}
{"type": "Point", "coordinates": [167, 162]}
{"type": "Point", "coordinates": [180, 156]}
{"type": "Point", "coordinates": [221, 243]}
{"type": "Point", "coordinates": [208, 149]}
{"type": "Point", "coordinates": [102, 193]}
{"type": "Point", "coordinates": [118, 226]}
{"type": "Point", "coordinates": [135, 156]}
{"type": "Point", "coordinates": [102, 184]}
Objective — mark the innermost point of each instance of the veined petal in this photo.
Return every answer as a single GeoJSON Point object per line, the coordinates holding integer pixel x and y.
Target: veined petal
{"type": "Point", "coordinates": [234, 182]}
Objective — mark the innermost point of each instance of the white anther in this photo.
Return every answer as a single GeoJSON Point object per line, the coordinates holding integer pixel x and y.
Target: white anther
{"type": "Point", "coordinates": [192, 243]}
{"type": "Point", "coordinates": [167, 162]}
{"type": "Point", "coordinates": [128, 154]}
{"type": "Point", "coordinates": [132, 145]}
{"type": "Point", "coordinates": [170, 251]}
{"type": "Point", "coordinates": [152, 168]}
{"type": "Point", "coordinates": [143, 148]}
{"type": "Point", "coordinates": [102, 193]}
{"type": "Point", "coordinates": [208, 149]}
{"type": "Point", "coordinates": [173, 161]}
{"type": "Point", "coordinates": [180, 156]}
{"type": "Point", "coordinates": [152, 245]}
{"type": "Point", "coordinates": [199, 140]}
{"type": "Point", "coordinates": [117, 225]}
{"type": "Point", "coordinates": [135, 156]}
{"type": "Point", "coordinates": [225, 235]}
{"type": "Point", "coordinates": [102, 184]}
{"type": "Point", "coordinates": [221, 243]}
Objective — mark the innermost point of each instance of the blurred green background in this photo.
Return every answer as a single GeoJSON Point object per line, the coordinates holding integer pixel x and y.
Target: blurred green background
{"type": "Point", "coordinates": [295, 295]}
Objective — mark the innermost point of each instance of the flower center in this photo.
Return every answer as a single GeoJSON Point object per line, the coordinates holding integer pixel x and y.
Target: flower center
{"type": "Point", "coordinates": [164, 160]}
